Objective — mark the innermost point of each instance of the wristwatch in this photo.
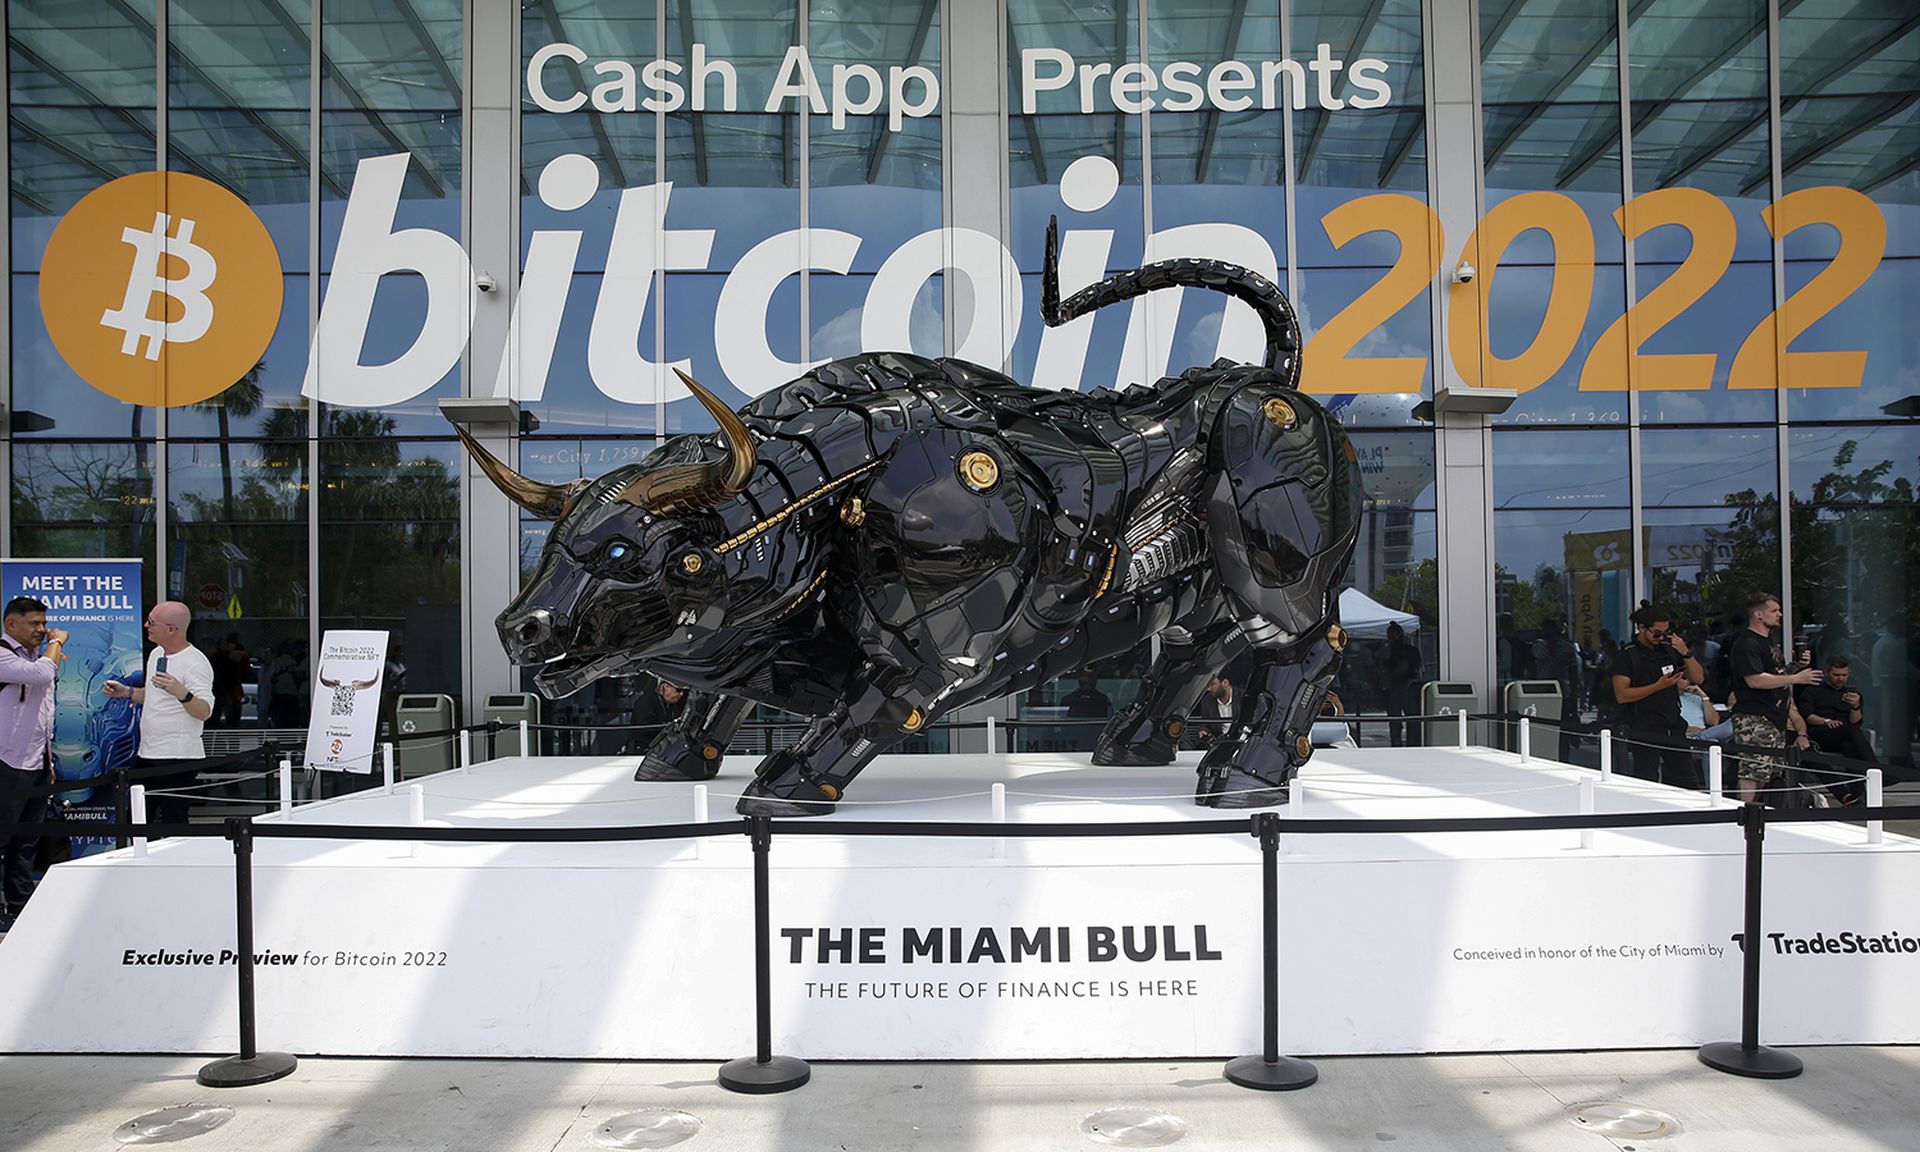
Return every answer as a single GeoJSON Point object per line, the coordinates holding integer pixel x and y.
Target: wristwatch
{"type": "Point", "coordinates": [187, 697]}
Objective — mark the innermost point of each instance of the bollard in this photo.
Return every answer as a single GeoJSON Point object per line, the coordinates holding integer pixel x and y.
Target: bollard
{"type": "Point", "coordinates": [286, 784]}
{"type": "Point", "coordinates": [137, 801]}
{"type": "Point", "coordinates": [1586, 809]}
{"type": "Point", "coordinates": [999, 817]}
{"type": "Point", "coordinates": [386, 765]}
{"type": "Point", "coordinates": [1463, 727]}
{"type": "Point", "coordinates": [525, 745]}
{"type": "Point", "coordinates": [1270, 1071]}
{"type": "Point", "coordinates": [993, 733]}
{"type": "Point", "coordinates": [1746, 1056]}
{"type": "Point", "coordinates": [699, 815]}
{"type": "Point", "coordinates": [1606, 753]}
{"type": "Point", "coordinates": [416, 813]}
{"type": "Point", "coordinates": [120, 815]}
{"type": "Point", "coordinates": [1526, 740]}
{"type": "Point", "coordinates": [250, 1066]}
{"type": "Point", "coordinates": [763, 1072]}
{"type": "Point", "coordinates": [1716, 777]}
{"type": "Point", "coordinates": [1874, 785]}
{"type": "Point", "coordinates": [466, 752]}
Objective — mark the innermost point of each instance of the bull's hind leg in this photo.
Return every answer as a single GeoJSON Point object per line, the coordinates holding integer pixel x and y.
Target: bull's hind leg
{"type": "Point", "coordinates": [691, 747]}
{"type": "Point", "coordinates": [1148, 730]}
{"type": "Point", "coordinates": [1283, 514]}
{"type": "Point", "coordinates": [1252, 765]}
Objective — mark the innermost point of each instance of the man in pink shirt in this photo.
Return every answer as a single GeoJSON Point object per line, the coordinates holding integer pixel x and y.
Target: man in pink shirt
{"type": "Point", "coordinates": [30, 655]}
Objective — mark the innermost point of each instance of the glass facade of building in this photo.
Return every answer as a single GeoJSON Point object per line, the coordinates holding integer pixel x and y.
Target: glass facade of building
{"type": "Point", "coordinates": [1690, 224]}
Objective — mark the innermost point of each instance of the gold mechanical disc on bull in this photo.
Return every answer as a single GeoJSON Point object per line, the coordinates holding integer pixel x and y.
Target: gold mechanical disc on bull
{"type": "Point", "coordinates": [979, 471]}
{"type": "Point", "coordinates": [1174, 728]}
{"type": "Point", "coordinates": [913, 722]}
{"type": "Point", "coordinates": [853, 513]}
{"type": "Point", "coordinates": [829, 791]}
{"type": "Point", "coordinates": [1304, 747]}
{"type": "Point", "coordinates": [711, 752]}
{"type": "Point", "coordinates": [1280, 412]}
{"type": "Point", "coordinates": [1337, 637]}
{"type": "Point", "coordinates": [691, 563]}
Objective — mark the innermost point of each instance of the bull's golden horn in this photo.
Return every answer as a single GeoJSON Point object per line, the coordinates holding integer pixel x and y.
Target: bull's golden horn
{"type": "Point", "coordinates": [675, 488]}
{"type": "Point", "coordinates": [740, 449]}
{"type": "Point", "coordinates": [547, 501]}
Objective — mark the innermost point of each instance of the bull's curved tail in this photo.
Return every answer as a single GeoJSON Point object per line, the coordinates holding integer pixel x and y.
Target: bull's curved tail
{"type": "Point", "coordinates": [1276, 314]}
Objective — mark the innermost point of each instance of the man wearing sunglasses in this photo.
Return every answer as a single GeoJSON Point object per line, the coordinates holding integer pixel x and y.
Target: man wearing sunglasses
{"type": "Point", "coordinates": [1648, 676]}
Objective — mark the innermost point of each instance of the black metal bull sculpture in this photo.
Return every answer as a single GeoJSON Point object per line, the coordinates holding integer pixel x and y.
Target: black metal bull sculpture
{"type": "Point", "coordinates": [888, 538]}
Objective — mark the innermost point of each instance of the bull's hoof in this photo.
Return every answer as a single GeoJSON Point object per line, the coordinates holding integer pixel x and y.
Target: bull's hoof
{"type": "Point", "coordinates": [1236, 789]}
{"type": "Point", "coordinates": [674, 757]}
{"type": "Point", "coordinates": [1244, 774]}
{"type": "Point", "coordinates": [1150, 753]}
{"type": "Point", "coordinates": [751, 805]}
{"type": "Point", "coordinates": [1134, 740]}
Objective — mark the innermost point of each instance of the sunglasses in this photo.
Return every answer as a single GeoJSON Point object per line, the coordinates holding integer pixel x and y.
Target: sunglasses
{"type": "Point", "coordinates": [1659, 633]}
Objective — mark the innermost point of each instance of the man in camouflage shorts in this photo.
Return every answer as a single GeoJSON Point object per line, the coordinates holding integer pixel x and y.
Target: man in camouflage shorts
{"type": "Point", "coordinates": [1762, 685]}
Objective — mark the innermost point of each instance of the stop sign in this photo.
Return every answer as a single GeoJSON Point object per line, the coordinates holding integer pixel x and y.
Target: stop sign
{"type": "Point", "coordinates": [212, 596]}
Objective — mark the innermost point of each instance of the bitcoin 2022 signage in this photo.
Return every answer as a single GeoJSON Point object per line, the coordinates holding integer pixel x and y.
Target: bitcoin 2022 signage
{"type": "Point", "coordinates": [160, 288]}
{"type": "Point", "coordinates": [163, 289]}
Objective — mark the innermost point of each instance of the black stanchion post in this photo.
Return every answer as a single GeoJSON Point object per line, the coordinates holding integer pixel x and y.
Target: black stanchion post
{"type": "Point", "coordinates": [1749, 1057]}
{"type": "Point", "coordinates": [493, 739]}
{"type": "Point", "coordinates": [1270, 1071]}
{"type": "Point", "coordinates": [122, 809]}
{"type": "Point", "coordinates": [763, 1072]}
{"type": "Point", "coordinates": [250, 1066]}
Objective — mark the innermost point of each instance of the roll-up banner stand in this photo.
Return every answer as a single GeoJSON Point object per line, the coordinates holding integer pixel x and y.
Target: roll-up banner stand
{"type": "Point", "coordinates": [98, 603]}
{"type": "Point", "coordinates": [346, 701]}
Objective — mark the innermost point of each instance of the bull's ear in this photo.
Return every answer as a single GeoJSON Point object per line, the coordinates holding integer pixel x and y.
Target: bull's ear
{"type": "Point", "coordinates": [547, 501]}
{"type": "Point", "coordinates": [676, 488]}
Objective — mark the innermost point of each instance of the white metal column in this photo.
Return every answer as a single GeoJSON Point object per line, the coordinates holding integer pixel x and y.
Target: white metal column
{"type": "Point", "coordinates": [490, 196]}
{"type": "Point", "coordinates": [1463, 443]}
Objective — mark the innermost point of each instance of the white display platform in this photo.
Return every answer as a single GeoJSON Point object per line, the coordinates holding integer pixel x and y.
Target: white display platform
{"type": "Point", "coordinates": [1392, 943]}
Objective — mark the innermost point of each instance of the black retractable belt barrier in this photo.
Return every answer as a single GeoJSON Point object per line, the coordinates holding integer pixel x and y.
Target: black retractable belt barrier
{"type": "Point", "coordinates": [763, 1072]}
{"type": "Point", "coordinates": [1749, 1057]}
{"type": "Point", "coordinates": [250, 1066]}
{"type": "Point", "coordinates": [1270, 1071]}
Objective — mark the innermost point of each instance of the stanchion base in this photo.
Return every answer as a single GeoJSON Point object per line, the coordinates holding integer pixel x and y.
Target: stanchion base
{"type": "Point", "coordinates": [239, 1072]}
{"type": "Point", "coordinates": [1761, 1062]}
{"type": "Point", "coordinates": [1282, 1075]}
{"type": "Point", "coordinates": [779, 1074]}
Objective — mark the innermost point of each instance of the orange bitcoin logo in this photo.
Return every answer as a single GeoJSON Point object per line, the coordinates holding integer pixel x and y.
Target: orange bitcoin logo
{"type": "Point", "coordinates": [161, 289]}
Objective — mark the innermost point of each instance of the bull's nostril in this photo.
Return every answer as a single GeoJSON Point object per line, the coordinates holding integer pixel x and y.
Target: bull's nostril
{"type": "Point", "coordinates": [534, 629]}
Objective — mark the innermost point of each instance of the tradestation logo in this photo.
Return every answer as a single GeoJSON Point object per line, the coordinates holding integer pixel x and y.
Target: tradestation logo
{"type": "Point", "coordinates": [1844, 944]}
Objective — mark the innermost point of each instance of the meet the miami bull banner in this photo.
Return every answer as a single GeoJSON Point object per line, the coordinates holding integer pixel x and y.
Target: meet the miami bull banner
{"type": "Point", "coordinates": [346, 701]}
{"type": "Point", "coordinates": [98, 603]}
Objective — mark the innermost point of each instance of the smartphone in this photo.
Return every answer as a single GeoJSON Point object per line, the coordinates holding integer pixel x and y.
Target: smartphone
{"type": "Point", "coordinates": [160, 665]}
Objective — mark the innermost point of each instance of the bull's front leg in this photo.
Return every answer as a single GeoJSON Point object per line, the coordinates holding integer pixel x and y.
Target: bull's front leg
{"type": "Point", "coordinates": [1252, 765]}
{"type": "Point", "coordinates": [809, 777]}
{"type": "Point", "coordinates": [692, 745]}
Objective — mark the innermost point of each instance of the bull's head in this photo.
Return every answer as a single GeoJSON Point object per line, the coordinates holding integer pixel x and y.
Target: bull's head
{"type": "Point", "coordinates": [628, 575]}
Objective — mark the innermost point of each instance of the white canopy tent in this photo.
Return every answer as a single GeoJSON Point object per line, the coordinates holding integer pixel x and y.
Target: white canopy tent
{"type": "Point", "coordinates": [1365, 618]}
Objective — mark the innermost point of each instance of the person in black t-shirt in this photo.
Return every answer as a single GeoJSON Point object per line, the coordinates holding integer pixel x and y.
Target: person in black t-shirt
{"type": "Point", "coordinates": [1761, 681]}
{"type": "Point", "coordinates": [1647, 675]}
{"type": "Point", "coordinates": [1832, 713]}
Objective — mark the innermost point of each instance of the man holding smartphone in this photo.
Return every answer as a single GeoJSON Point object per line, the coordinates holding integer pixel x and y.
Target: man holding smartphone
{"type": "Point", "coordinates": [30, 655]}
{"type": "Point", "coordinates": [174, 706]}
{"type": "Point", "coordinates": [1761, 684]}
